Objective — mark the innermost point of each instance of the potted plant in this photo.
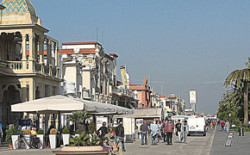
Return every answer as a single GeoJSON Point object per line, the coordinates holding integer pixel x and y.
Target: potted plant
{"type": "Point", "coordinates": [11, 137]}
{"type": "Point", "coordinates": [65, 135]}
{"type": "Point", "coordinates": [77, 133]}
{"type": "Point", "coordinates": [52, 138]}
{"type": "Point", "coordinates": [40, 136]}
{"type": "Point", "coordinates": [84, 144]}
{"type": "Point", "coordinates": [27, 137]}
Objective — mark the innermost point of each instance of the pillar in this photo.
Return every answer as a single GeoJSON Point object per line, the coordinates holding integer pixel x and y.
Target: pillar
{"type": "Point", "coordinates": [56, 54]}
{"type": "Point", "coordinates": [41, 50]}
{"type": "Point", "coordinates": [49, 52]}
{"type": "Point", "coordinates": [24, 47]}
{"type": "Point", "coordinates": [31, 47]}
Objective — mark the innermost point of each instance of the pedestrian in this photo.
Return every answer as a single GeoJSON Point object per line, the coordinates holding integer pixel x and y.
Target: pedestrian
{"type": "Point", "coordinates": [214, 123]}
{"type": "Point", "coordinates": [144, 133]}
{"type": "Point", "coordinates": [154, 131]}
{"type": "Point", "coordinates": [169, 128]}
{"type": "Point", "coordinates": [1, 132]}
{"type": "Point", "coordinates": [103, 129]}
{"type": "Point", "coordinates": [163, 133]}
{"type": "Point", "coordinates": [159, 131]}
{"type": "Point", "coordinates": [120, 136]}
{"type": "Point", "coordinates": [222, 125]}
{"type": "Point", "coordinates": [178, 127]}
{"type": "Point", "coordinates": [227, 126]}
{"type": "Point", "coordinates": [185, 131]}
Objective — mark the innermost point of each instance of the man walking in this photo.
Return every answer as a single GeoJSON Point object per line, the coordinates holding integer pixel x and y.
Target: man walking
{"type": "Point", "coordinates": [169, 128]}
{"type": "Point", "coordinates": [154, 130]}
{"type": "Point", "coordinates": [178, 127]}
{"type": "Point", "coordinates": [144, 133]}
{"type": "Point", "coordinates": [227, 126]}
{"type": "Point", "coordinates": [120, 136]}
{"type": "Point", "coordinates": [185, 131]}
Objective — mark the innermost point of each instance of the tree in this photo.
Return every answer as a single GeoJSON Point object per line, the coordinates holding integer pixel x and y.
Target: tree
{"type": "Point", "coordinates": [239, 79]}
{"type": "Point", "coordinates": [79, 118]}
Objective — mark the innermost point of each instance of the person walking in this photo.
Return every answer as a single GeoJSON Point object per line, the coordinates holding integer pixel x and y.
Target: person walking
{"type": "Point", "coordinates": [227, 126]}
{"type": "Point", "coordinates": [178, 127]}
{"type": "Point", "coordinates": [214, 123]}
{"type": "Point", "coordinates": [120, 136]}
{"type": "Point", "coordinates": [103, 129]}
{"type": "Point", "coordinates": [169, 128]}
{"type": "Point", "coordinates": [1, 132]}
{"type": "Point", "coordinates": [163, 132]}
{"type": "Point", "coordinates": [159, 131]}
{"type": "Point", "coordinates": [154, 131]}
{"type": "Point", "coordinates": [185, 131]}
{"type": "Point", "coordinates": [222, 125]}
{"type": "Point", "coordinates": [144, 133]}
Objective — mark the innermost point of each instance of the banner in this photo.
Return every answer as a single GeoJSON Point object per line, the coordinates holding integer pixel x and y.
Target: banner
{"type": "Point", "coordinates": [123, 74]}
{"type": "Point", "coordinates": [192, 96]}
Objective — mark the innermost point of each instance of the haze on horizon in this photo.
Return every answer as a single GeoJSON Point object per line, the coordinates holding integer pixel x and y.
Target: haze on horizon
{"type": "Point", "coordinates": [180, 45]}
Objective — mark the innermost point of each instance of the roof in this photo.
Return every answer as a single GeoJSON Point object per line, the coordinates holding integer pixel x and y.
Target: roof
{"type": "Point", "coordinates": [18, 6]}
{"type": "Point", "coordinates": [45, 52]}
{"type": "Point", "coordinates": [113, 55]}
{"type": "Point", "coordinates": [71, 51]}
{"type": "Point", "coordinates": [79, 43]}
{"type": "Point", "coordinates": [162, 96]}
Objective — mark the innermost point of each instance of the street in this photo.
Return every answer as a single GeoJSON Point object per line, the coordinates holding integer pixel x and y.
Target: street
{"type": "Point", "coordinates": [196, 145]}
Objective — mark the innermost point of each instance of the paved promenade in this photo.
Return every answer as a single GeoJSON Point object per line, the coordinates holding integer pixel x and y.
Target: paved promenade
{"type": "Point", "coordinates": [241, 144]}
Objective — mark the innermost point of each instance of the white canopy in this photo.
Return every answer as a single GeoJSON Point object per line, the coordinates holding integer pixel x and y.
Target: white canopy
{"type": "Point", "coordinates": [64, 104]}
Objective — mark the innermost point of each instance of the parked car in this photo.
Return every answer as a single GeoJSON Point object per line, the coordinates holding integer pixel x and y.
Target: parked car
{"type": "Point", "coordinates": [197, 126]}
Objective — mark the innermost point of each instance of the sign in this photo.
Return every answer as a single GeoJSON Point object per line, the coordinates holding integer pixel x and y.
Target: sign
{"type": "Point", "coordinates": [192, 95]}
{"type": "Point", "coordinates": [123, 74]}
{"type": "Point", "coordinates": [100, 120]}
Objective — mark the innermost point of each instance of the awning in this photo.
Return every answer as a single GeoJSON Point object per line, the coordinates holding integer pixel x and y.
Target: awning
{"type": "Point", "coordinates": [64, 104]}
{"type": "Point", "coordinates": [53, 104]}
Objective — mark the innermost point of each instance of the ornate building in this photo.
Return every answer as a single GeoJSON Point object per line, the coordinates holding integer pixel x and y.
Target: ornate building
{"type": "Point", "coordinates": [88, 71]}
{"type": "Point", "coordinates": [28, 58]}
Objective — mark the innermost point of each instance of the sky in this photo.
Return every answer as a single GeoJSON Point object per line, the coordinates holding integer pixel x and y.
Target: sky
{"type": "Point", "coordinates": [179, 45]}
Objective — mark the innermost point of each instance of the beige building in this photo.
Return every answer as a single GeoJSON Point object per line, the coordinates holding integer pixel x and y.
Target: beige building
{"type": "Point", "coordinates": [28, 58]}
{"type": "Point", "coordinates": [88, 71]}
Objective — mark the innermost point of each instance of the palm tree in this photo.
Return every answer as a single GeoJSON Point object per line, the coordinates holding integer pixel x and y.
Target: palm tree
{"type": "Point", "coordinates": [239, 79]}
{"type": "Point", "coordinates": [79, 118]}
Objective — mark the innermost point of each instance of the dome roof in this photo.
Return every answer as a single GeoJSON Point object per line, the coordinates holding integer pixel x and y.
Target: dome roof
{"type": "Point", "coordinates": [172, 96]}
{"type": "Point", "coordinates": [18, 6]}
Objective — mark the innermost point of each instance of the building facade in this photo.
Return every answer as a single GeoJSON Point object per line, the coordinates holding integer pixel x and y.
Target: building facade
{"type": "Point", "coordinates": [28, 58]}
{"type": "Point", "coordinates": [143, 93]}
{"type": "Point", "coordinates": [88, 70]}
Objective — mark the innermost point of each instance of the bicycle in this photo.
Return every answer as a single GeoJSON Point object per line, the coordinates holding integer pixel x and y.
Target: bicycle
{"type": "Point", "coordinates": [27, 143]}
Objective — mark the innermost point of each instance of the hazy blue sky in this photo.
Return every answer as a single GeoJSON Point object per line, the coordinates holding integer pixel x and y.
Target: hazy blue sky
{"type": "Point", "coordinates": [187, 45]}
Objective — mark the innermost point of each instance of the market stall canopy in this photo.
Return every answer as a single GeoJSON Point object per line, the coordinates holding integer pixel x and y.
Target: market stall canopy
{"type": "Point", "coordinates": [53, 104]}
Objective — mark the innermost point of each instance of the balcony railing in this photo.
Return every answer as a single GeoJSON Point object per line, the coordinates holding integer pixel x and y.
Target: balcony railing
{"type": "Point", "coordinates": [16, 65]}
{"type": "Point", "coordinates": [38, 67]}
{"type": "Point", "coordinates": [46, 69]}
{"type": "Point", "coordinates": [124, 92]}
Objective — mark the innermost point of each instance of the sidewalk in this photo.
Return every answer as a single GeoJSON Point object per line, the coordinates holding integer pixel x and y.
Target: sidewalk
{"type": "Point", "coordinates": [240, 144]}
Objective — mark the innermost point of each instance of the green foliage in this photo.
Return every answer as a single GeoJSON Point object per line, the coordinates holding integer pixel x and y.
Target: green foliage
{"type": "Point", "coordinates": [77, 131]}
{"type": "Point", "coordinates": [40, 132]}
{"type": "Point", "coordinates": [85, 140]}
{"type": "Point", "coordinates": [91, 127]}
{"type": "Point", "coordinates": [9, 133]}
{"type": "Point", "coordinates": [65, 131]}
{"type": "Point", "coordinates": [79, 118]}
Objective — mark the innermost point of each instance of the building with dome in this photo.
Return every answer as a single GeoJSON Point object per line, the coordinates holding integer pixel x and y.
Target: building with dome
{"type": "Point", "coordinates": [28, 58]}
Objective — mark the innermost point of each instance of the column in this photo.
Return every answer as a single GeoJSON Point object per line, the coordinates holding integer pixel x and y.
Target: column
{"type": "Point", "coordinates": [49, 52]}
{"type": "Point", "coordinates": [56, 54]}
{"type": "Point", "coordinates": [24, 47]}
{"type": "Point", "coordinates": [41, 49]}
{"type": "Point", "coordinates": [31, 47]}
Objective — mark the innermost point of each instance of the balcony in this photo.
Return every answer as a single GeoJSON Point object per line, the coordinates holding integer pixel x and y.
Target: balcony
{"type": "Point", "coordinates": [19, 67]}
{"type": "Point", "coordinates": [124, 92]}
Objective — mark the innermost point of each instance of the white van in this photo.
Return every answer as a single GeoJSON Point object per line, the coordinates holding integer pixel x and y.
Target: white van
{"type": "Point", "coordinates": [197, 126]}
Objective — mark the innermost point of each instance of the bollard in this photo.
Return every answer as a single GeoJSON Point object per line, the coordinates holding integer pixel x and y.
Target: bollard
{"type": "Point", "coordinates": [241, 131]}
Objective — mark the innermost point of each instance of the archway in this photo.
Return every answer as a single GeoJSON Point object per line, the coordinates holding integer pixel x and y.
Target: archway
{"type": "Point", "coordinates": [10, 96]}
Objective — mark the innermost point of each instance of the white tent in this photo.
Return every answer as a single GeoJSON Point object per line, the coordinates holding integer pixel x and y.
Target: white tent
{"type": "Point", "coordinates": [64, 104]}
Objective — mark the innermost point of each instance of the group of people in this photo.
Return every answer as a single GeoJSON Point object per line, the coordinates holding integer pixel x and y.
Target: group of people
{"type": "Point", "coordinates": [164, 131]}
{"type": "Point", "coordinates": [112, 139]}
{"type": "Point", "coordinates": [225, 126]}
